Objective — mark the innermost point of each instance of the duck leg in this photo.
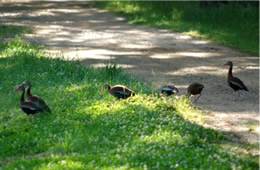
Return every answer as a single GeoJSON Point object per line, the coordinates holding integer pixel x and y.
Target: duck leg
{"type": "Point", "coordinates": [28, 118]}
{"type": "Point", "coordinates": [197, 98]}
{"type": "Point", "coordinates": [234, 95]}
{"type": "Point", "coordinates": [237, 96]}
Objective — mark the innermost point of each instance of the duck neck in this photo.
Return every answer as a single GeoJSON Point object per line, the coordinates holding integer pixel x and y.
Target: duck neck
{"type": "Point", "coordinates": [28, 93]}
{"type": "Point", "coordinates": [108, 87]}
{"type": "Point", "coordinates": [22, 97]}
{"type": "Point", "coordinates": [230, 72]}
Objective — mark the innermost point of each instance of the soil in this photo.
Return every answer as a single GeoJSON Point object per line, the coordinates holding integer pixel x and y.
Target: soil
{"type": "Point", "coordinates": [94, 36]}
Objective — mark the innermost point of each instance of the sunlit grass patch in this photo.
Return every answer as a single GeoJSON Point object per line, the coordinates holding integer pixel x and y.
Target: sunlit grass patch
{"type": "Point", "coordinates": [88, 129]}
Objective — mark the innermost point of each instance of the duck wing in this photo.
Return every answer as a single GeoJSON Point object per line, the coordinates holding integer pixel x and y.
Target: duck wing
{"type": "Point", "coordinates": [120, 91]}
{"type": "Point", "coordinates": [234, 81]}
{"type": "Point", "coordinates": [38, 101]}
{"type": "Point", "coordinates": [30, 107]}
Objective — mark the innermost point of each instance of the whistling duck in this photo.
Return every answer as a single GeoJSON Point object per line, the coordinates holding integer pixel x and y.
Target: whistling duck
{"type": "Point", "coordinates": [195, 89]}
{"type": "Point", "coordinates": [119, 91]}
{"type": "Point", "coordinates": [36, 99]}
{"type": "Point", "coordinates": [235, 83]}
{"type": "Point", "coordinates": [169, 90]}
{"type": "Point", "coordinates": [27, 107]}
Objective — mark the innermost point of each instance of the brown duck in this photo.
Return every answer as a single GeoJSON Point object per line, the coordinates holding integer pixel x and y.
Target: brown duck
{"type": "Point", "coordinates": [194, 89]}
{"type": "Point", "coordinates": [28, 106]}
{"type": "Point", "coordinates": [119, 91]}
{"type": "Point", "coordinates": [235, 83]}
{"type": "Point", "coordinates": [35, 99]}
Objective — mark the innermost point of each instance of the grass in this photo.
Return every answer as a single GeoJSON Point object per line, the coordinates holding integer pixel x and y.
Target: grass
{"type": "Point", "coordinates": [88, 129]}
{"type": "Point", "coordinates": [7, 31]}
{"type": "Point", "coordinates": [233, 25]}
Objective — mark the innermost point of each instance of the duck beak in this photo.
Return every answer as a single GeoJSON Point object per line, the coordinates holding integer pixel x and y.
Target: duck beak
{"type": "Point", "coordinates": [16, 89]}
{"type": "Point", "coordinates": [102, 90]}
{"type": "Point", "coordinates": [225, 64]}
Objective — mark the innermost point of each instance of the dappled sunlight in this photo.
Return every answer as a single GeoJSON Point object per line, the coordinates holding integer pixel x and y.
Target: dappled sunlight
{"type": "Point", "coordinates": [65, 10]}
{"type": "Point", "coordinates": [97, 54]}
{"type": "Point", "coordinates": [141, 130]}
{"type": "Point", "coordinates": [239, 123]}
{"type": "Point", "coordinates": [126, 66]}
{"type": "Point", "coordinates": [243, 119]}
{"type": "Point", "coordinates": [98, 65]}
{"type": "Point", "coordinates": [252, 67]}
{"type": "Point", "coordinates": [41, 13]}
{"type": "Point", "coordinates": [86, 54]}
{"type": "Point", "coordinates": [119, 106]}
{"type": "Point", "coordinates": [96, 21]}
{"type": "Point", "coordinates": [200, 42]}
{"type": "Point", "coordinates": [63, 163]}
{"type": "Point", "coordinates": [176, 55]}
{"type": "Point", "coordinates": [11, 14]}
{"type": "Point", "coordinates": [183, 37]}
{"type": "Point", "coordinates": [120, 19]}
{"type": "Point", "coordinates": [136, 46]}
{"type": "Point", "coordinates": [90, 129]}
{"type": "Point", "coordinates": [75, 87]}
{"type": "Point", "coordinates": [161, 56]}
{"type": "Point", "coordinates": [198, 54]}
{"type": "Point", "coordinates": [162, 136]}
{"type": "Point", "coordinates": [218, 71]}
{"type": "Point", "coordinates": [47, 30]}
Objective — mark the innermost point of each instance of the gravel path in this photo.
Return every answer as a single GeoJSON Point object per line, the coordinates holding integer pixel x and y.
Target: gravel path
{"type": "Point", "coordinates": [79, 30]}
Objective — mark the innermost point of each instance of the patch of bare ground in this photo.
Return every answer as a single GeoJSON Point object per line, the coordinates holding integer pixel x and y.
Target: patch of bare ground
{"type": "Point", "coordinates": [94, 36]}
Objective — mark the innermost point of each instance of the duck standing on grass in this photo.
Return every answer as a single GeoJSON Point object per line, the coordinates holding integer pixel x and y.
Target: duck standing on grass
{"type": "Point", "coordinates": [119, 91]}
{"type": "Point", "coordinates": [35, 99]}
{"type": "Point", "coordinates": [28, 106]}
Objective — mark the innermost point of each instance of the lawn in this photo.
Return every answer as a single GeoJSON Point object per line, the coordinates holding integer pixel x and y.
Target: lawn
{"type": "Point", "coordinates": [231, 24]}
{"type": "Point", "coordinates": [88, 129]}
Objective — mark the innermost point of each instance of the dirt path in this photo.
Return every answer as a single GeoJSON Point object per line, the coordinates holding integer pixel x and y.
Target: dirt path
{"type": "Point", "coordinates": [96, 36]}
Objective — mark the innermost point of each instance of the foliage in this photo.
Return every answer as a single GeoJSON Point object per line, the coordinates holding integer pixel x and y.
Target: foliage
{"type": "Point", "coordinates": [88, 129]}
{"type": "Point", "coordinates": [233, 25]}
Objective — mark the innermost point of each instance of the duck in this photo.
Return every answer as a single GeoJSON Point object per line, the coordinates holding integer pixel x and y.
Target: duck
{"type": "Point", "coordinates": [36, 99]}
{"type": "Point", "coordinates": [169, 90]}
{"type": "Point", "coordinates": [195, 89]}
{"type": "Point", "coordinates": [119, 91]}
{"type": "Point", "coordinates": [235, 83]}
{"type": "Point", "coordinates": [28, 106]}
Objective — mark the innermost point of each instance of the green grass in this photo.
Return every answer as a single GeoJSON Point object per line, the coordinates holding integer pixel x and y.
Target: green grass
{"type": "Point", "coordinates": [11, 30]}
{"type": "Point", "coordinates": [232, 25]}
{"type": "Point", "coordinates": [88, 129]}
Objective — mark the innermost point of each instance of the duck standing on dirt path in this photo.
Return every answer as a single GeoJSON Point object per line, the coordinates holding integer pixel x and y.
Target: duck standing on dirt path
{"type": "Point", "coordinates": [194, 89]}
{"type": "Point", "coordinates": [35, 99]}
{"type": "Point", "coordinates": [235, 83]}
{"type": "Point", "coordinates": [119, 91]}
{"type": "Point", "coordinates": [27, 106]}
